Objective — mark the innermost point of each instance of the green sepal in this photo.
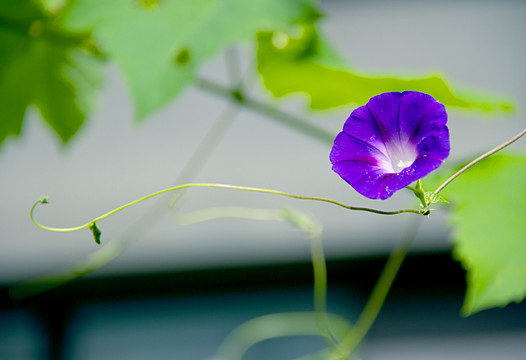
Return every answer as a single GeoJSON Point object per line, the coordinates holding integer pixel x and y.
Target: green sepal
{"type": "Point", "coordinates": [419, 192]}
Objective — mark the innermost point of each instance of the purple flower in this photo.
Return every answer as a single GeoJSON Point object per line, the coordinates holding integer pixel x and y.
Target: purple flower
{"type": "Point", "coordinates": [393, 140]}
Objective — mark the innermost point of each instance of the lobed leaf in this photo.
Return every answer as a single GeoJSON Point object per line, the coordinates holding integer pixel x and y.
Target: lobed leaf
{"type": "Point", "coordinates": [159, 45]}
{"type": "Point", "coordinates": [303, 62]}
{"type": "Point", "coordinates": [44, 67]}
{"type": "Point", "coordinates": [490, 232]}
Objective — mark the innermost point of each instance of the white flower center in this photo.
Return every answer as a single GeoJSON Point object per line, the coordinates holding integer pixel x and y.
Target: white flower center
{"type": "Point", "coordinates": [403, 164]}
{"type": "Point", "coordinates": [400, 156]}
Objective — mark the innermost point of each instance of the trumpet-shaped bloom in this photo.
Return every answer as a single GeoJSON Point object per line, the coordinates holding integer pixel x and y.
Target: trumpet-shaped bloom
{"type": "Point", "coordinates": [393, 140]}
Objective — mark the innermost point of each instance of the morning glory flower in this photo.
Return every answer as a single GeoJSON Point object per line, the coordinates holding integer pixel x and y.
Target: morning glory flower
{"type": "Point", "coordinates": [393, 140]}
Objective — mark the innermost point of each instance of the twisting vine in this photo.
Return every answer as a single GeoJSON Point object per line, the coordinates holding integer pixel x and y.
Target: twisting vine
{"type": "Point", "coordinates": [92, 225]}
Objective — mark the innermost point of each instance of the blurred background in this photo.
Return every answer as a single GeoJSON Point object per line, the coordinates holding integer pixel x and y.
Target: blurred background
{"type": "Point", "coordinates": [177, 291]}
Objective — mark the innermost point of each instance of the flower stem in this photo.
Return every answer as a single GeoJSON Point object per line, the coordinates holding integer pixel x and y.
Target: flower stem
{"type": "Point", "coordinates": [377, 298]}
{"type": "Point", "coordinates": [481, 157]}
{"type": "Point", "coordinates": [221, 186]}
{"type": "Point", "coordinates": [319, 267]}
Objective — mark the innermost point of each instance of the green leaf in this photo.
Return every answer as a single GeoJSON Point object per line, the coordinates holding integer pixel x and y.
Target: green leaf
{"type": "Point", "coordinates": [96, 232]}
{"type": "Point", "coordinates": [432, 198]}
{"type": "Point", "coordinates": [159, 46]}
{"type": "Point", "coordinates": [490, 231]}
{"type": "Point", "coordinates": [44, 67]}
{"type": "Point", "coordinates": [301, 61]}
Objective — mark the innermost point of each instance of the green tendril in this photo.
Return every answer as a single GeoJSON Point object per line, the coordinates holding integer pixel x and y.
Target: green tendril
{"type": "Point", "coordinates": [96, 231]}
{"type": "Point", "coordinates": [377, 298]}
{"type": "Point", "coordinates": [480, 158]}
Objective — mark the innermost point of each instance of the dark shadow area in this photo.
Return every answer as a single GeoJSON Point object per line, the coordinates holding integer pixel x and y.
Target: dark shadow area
{"type": "Point", "coordinates": [188, 314]}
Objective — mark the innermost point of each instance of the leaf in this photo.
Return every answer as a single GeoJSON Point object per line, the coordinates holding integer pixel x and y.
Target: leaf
{"type": "Point", "coordinates": [159, 46]}
{"type": "Point", "coordinates": [96, 232]}
{"type": "Point", "coordinates": [41, 66]}
{"type": "Point", "coordinates": [432, 198]}
{"type": "Point", "coordinates": [303, 62]}
{"type": "Point", "coordinates": [490, 231]}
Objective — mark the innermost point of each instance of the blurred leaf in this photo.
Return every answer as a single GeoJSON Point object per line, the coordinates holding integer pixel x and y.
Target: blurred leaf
{"type": "Point", "coordinates": [302, 62]}
{"type": "Point", "coordinates": [52, 6]}
{"type": "Point", "coordinates": [42, 66]}
{"type": "Point", "coordinates": [159, 45]}
{"type": "Point", "coordinates": [490, 231]}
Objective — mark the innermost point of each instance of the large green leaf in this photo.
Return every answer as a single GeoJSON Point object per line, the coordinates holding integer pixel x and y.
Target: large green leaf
{"type": "Point", "coordinates": [41, 66]}
{"type": "Point", "coordinates": [159, 45]}
{"type": "Point", "coordinates": [488, 214]}
{"type": "Point", "coordinates": [302, 62]}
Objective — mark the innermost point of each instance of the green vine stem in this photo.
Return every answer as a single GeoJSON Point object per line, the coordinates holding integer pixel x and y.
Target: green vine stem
{"type": "Point", "coordinates": [481, 157]}
{"type": "Point", "coordinates": [271, 112]}
{"type": "Point", "coordinates": [272, 326]}
{"type": "Point", "coordinates": [377, 298]}
{"type": "Point", "coordinates": [90, 224]}
{"type": "Point", "coordinates": [266, 327]}
{"type": "Point", "coordinates": [319, 268]}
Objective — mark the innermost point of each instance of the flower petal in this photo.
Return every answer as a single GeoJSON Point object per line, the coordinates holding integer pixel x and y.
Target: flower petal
{"type": "Point", "coordinates": [420, 168]}
{"type": "Point", "coordinates": [362, 177]}
{"type": "Point", "coordinates": [392, 141]}
{"type": "Point", "coordinates": [435, 144]}
{"type": "Point", "coordinates": [350, 148]}
{"type": "Point", "coordinates": [385, 109]}
{"type": "Point", "coordinates": [361, 125]}
{"type": "Point", "coordinates": [418, 112]}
